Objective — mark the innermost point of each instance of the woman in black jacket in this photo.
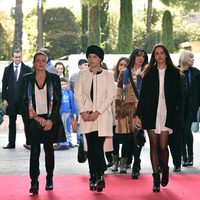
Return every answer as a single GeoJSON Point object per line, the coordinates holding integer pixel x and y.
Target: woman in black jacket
{"type": "Point", "coordinates": [41, 100]}
{"type": "Point", "coordinates": [158, 107]}
{"type": "Point", "coordinates": [192, 78]}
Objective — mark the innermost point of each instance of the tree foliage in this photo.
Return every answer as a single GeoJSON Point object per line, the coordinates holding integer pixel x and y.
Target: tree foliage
{"type": "Point", "coordinates": [62, 32]}
{"type": "Point", "coordinates": [84, 25]}
{"type": "Point", "coordinates": [167, 31]}
{"type": "Point", "coordinates": [94, 22]}
{"type": "Point", "coordinates": [31, 31]}
{"type": "Point", "coordinates": [104, 25]}
{"type": "Point", "coordinates": [186, 4]}
{"type": "Point", "coordinates": [125, 27]}
{"type": "Point", "coordinates": [4, 44]}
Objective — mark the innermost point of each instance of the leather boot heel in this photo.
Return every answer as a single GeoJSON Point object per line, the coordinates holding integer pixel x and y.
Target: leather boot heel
{"type": "Point", "coordinates": [165, 177]}
{"type": "Point", "coordinates": [34, 188]}
{"type": "Point", "coordinates": [100, 184]}
{"type": "Point", "coordinates": [156, 182]}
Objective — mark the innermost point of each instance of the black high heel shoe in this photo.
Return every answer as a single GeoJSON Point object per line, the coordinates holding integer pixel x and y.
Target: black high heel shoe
{"type": "Point", "coordinates": [34, 188]}
{"type": "Point", "coordinates": [156, 182]}
{"type": "Point", "coordinates": [100, 184]}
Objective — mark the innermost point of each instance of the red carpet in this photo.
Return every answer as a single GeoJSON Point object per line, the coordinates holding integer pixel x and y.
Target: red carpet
{"type": "Point", "coordinates": [118, 187]}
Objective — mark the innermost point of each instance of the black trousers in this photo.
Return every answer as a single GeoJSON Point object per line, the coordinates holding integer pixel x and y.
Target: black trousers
{"type": "Point", "coordinates": [12, 128]}
{"type": "Point", "coordinates": [187, 147]}
{"type": "Point", "coordinates": [34, 170]}
{"type": "Point", "coordinates": [175, 145]}
{"type": "Point", "coordinates": [96, 159]}
{"type": "Point", "coordinates": [124, 140]}
{"type": "Point", "coordinates": [134, 151]}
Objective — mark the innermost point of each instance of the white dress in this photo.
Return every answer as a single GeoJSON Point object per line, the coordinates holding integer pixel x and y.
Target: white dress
{"type": "Point", "coordinates": [162, 110]}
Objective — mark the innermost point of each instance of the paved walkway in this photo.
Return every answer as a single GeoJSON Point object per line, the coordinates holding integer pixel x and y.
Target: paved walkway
{"type": "Point", "coordinates": [16, 161]}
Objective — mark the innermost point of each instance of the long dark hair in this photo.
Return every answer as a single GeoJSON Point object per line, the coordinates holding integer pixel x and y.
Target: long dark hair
{"type": "Point", "coordinates": [132, 57]}
{"type": "Point", "coordinates": [116, 72]}
{"type": "Point", "coordinates": [60, 63]}
{"type": "Point", "coordinates": [168, 58]}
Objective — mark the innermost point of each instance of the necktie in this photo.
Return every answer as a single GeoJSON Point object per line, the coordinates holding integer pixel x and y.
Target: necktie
{"type": "Point", "coordinates": [16, 72]}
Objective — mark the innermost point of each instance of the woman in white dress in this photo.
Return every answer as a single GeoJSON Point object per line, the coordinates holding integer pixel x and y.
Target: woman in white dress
{"type": "Point", "coordinates": [157, 109]}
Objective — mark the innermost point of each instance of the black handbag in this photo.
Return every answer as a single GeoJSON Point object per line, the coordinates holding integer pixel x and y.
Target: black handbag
{"type": "Point", "coordinates": [2, 113]}
{"type": "Point", "coordinates": [82, 155]}
{"type": "Point", "coordinates": [139, 137]}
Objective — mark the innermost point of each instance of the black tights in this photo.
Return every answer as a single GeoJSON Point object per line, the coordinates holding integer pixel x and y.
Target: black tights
{"type": "Point", "coordinates": [158, 149]}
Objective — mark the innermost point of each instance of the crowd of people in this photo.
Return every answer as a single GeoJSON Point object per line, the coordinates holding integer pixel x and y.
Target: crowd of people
{"type": "Point", "coordinates": [151, 94]}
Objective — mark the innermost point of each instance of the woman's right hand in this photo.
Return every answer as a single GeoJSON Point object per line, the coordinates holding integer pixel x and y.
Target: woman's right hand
{"type": "Point", "coordinates": [137, 122]}
{"type": "Point", "coordinates": [85, 116]}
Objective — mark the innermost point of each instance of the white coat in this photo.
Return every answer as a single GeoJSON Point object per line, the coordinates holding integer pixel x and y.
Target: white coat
{"type": "Point", "coordinates": [103, 95]}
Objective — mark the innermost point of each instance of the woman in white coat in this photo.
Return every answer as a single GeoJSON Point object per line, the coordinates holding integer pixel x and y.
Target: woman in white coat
{"type": "Point", "coordinates": [94, 94]}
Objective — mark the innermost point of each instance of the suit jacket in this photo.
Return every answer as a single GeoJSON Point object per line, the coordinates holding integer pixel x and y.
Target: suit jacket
{"type": "Point", "coordinates": [58, 129]}
{"type": "Point", "coordinates": [148, 101]}
{"type": "Point", "coordinates": [103, 95]}
{"type": "Point", "coordinates": [193, 98]}
{"type": "Point", "coordinates": [9, 92]}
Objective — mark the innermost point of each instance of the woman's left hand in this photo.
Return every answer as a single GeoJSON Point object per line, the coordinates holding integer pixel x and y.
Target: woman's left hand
{"type": "Point", "coordinates": [93, 116]}
{"type": "Point", "coordinates": [48, 125]}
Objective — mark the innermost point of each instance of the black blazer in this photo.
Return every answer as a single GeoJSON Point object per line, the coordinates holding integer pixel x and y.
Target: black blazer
{"type": "Point", "coordinates": [148, 101]}
{"type": "Point", "coordinates": [193, 100]}
{"type": "Point", "coordinates": [58, 129]}
{"type": "Point", "coordinates": [8, 86]}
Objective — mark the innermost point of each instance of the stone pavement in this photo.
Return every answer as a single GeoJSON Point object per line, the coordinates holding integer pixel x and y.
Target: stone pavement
{"type": "Point", "coordinates": [16, 161]}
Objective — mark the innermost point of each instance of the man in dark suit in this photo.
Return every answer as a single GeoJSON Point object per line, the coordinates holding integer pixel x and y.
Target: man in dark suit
{"type": "Point", "coordinates": [11, 83]}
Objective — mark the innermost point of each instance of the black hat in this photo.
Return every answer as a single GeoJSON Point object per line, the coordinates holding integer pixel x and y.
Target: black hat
{"type": "Point", "coordinates": [96, 50]}
{"type": "Point", "coordinates": [82, 61]}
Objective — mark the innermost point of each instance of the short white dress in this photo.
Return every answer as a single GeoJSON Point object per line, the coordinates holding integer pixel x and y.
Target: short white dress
{"type": "Point", "coordinates": [162, 110]}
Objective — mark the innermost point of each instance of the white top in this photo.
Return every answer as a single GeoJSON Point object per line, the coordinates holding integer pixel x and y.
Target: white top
{"type": "Point", "coordinates": [41, 100]}
{"type": "Point", "coordinates": [162, 110]}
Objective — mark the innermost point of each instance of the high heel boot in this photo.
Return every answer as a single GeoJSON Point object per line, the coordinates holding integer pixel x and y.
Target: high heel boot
{"type": "Point", "coordinates": [136, 169]}
{"type": "Point", "coordinates": [100, 183]}
{"type": "Point", "coordinates": [93, 185]}
{"type": "Point", "coordinates": [34, 187]}
{"type": "Point", "coordinates": [165, 177]}
{"type": "Point", "coordinates": [156, 182]}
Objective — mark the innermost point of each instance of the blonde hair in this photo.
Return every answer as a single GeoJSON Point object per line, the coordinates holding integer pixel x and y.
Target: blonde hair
{"type": "Point", "coordinates": [183, 59]}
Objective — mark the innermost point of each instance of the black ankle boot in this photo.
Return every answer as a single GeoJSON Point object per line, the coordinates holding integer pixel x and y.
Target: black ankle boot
{"type": "Point", "coordinates": [165, 177]}
{"type": "Point", "coordinates": [34, 187]}
{"type": "Point", "coordinates": [93, 185]}
{"type": "Point", "coordinates": [184, 161]}
{"type": "Point", "coordinates": [100, 183]}
{"type": "Point", "coordinates": [136, 170]}
{"type": "Point", "coordinates": [49, 184]}
{"type": "Point", "coordinates": [190, 160]}
{"type": "Point", "coordinates": [156, 182]}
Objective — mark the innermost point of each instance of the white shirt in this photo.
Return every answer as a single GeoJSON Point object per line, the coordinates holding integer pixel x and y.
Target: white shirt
{"type": "Point", "coordinates": [19, 69]}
